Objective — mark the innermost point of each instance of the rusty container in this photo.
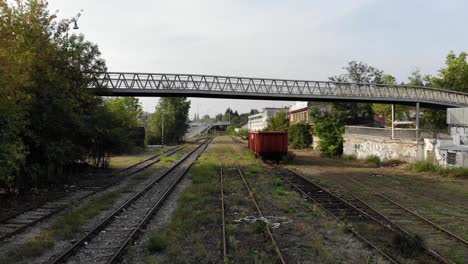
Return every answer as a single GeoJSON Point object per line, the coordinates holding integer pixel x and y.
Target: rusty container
{"type": "Point", "coordinates": [271, 145]}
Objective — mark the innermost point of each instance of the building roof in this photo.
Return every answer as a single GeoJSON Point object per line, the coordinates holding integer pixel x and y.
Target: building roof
{"type": "Point", "coordinates": [463, 148]}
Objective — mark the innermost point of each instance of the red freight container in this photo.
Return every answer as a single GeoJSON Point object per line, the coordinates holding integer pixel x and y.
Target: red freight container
{"type": "Point", "coordinates": [269, 145]}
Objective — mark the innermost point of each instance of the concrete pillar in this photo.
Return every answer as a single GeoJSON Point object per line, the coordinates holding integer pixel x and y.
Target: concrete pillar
{"type": "Point", "coordinates": [393, 121]}
{"type": "Point", "coordinates": [418, 121]}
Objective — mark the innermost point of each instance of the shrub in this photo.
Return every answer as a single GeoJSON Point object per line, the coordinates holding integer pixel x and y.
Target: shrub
{"type": "Point", "coordinates": [455, 172]}
{"type": "Point", "coordinates": [373, 160]}
{"type": "Point", "coordinates": [409, 247]}
{"type": "Point", "coordinates": [299, 136]}
{"type": "Point", "coordinates": [329, 128]}
{"type": "Point", "coordinates": [426, 165]}
{"type": "Point", "coordinates": [156, 241]}
{"type": "Point", "coordinates": [349, 157]}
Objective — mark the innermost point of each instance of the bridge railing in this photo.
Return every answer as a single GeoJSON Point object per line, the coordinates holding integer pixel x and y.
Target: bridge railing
{"type": "Point", "coordinates": [187, 83]}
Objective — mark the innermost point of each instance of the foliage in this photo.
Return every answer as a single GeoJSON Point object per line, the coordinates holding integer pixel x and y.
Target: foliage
{"type": "Point", "coordinates": [278, 122]}
{"type": "Point", "coordinates": [373, 160]}
{"type": "Point", "coordinates": [299, 136]}
{"type": "Point", "coordinates": [329, 127]}
{"type": "Point", "coordinates": [385, 110]}
{"type": "Point", "coordinates": [48, 121]}
{"type": "Point", "coordinates": [425, 165]}
{"type": "Point", "coordinates": [174, 112]}
{"type": "Point", "coordinates": [127, 109]}
{"type": "Point", "coordinates": [358, 72]}
{"type": "Point", "coordinates": [453, 77]}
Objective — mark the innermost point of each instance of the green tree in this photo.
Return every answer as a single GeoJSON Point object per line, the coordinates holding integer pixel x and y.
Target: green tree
{"type": "Point", "coordinates": [453, 77]}
{"type": "Point", "coordinates": [357, 72]}
{"type": "Point", "coordinates": [127, 109]}
{"type": "Point", "coordinates": [278, 122]}
{"type": "Point", "coordinates": [299, 136]}
{"type": "Point", "coordinates": [329, 127]}
{"type": "Point", "coordinates": [48, 121]}
{"type": "Point", "coordinates": [175, 111]}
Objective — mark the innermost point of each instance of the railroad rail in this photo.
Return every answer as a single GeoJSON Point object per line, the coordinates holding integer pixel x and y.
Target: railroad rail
{"type": "Point", "coordinates": [254, 201]}
{"type": "Point", "coordinates": [432, 231]}
{"type": "Point", "coordinates": [223, 213]}
{"type": "Point", "coordinates": [213, 86]}
{"type": "Point", "coordinates": [108, 240]}
{"type": "Point", "coordinates": [18, 222]}
{"type": "Point", "coordinates": [354, 214]}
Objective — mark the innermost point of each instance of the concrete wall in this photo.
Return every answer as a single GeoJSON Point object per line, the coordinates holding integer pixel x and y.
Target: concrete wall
{"type": "Point", "coordinates": [384, 148]}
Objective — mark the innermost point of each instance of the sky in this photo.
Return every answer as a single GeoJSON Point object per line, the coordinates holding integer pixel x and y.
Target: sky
{"type": "Point", "coordinates": [310, 40]}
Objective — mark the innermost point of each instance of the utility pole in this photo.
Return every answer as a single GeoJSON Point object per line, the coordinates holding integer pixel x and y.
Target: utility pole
{"type": "Point", "coordinates": [393, 121]}
{"type": "Point", "coordinates": [162, 130]}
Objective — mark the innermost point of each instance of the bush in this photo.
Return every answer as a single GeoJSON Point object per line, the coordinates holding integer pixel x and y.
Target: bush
{"type": "Point", "coordinates": [329, 128]}
{"type": "Point", "coordinates": [373, 160]}
{"type": "Point", "coordinates": [426, 165]}
{"type": "Point", "coordinates": [349, 157]}
{"type": "Point", "coordinates": [299, 136]}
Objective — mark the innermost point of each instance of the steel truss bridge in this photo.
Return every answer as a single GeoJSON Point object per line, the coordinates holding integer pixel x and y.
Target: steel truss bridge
{"type": "Point", "coordinates": [211, 86]}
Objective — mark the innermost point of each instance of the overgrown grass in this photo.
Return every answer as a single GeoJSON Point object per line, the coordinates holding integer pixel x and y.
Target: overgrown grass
{"type": "Point", "coordinates": [33, 248]}
{"type": "Point", "coordinates": [409, 247]}
{"type": "Point", "coordinates": [348, 157]}
{"type": "Point", "coordinates": [429, 166]}
{"type": "Point", "coordinates": [63, 228]}
{"type": "Point", "coordinates": [425, 166]}
{"type": "Point", "coordinates": [373, 160]}
{"type": "Point", "coordinates": [71, 223]}
{"type": "Point", "coordinates": [194, 209]}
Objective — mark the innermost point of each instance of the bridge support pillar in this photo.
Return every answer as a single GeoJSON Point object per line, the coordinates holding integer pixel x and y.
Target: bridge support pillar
{"type": "Point", "coordinates": [393, 121]}
{"type": "Point", "coordinates": [418, 119]}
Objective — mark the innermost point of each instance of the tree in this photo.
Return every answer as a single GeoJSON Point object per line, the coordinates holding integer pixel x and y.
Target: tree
{"type": "Point", "coordinates": [357, 72]}
{"type": "Point", "coordinates": [299, 136]}
{"type": "Point", "coordinates": [329, 128]}
{"type": "Point", "coordinates": [127, 109]}
{"type": "Point", "coordinates": [48, 121]}
{"type": "Point", "coordinates": [453, 77]}
{"type": "Point", "coordinates": [278, 122]}
{"type": "Point", "coordinates": [175, 111]}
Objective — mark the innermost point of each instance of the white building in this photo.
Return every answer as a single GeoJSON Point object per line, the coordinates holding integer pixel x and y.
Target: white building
{"type": "Point", "coordinates": [260, 121]}
{"type": "Point", "coordinates": [454, 152]}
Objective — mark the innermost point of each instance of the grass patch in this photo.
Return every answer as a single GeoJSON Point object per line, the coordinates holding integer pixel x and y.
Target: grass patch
{"type": "Point", "coordinates": [373, 160]}
{"type": "Point", "coordinates": [348, 157]}
{"type": "Point", "coordinates": [425, 166]}
{"type": "Point", "coordinates": [194, 209]}
{"type": "Point", "coordinates": [429, 166]}
{"type": "Point", "coordinates": [156, 242]}
{"type": "Point", "coordinates": [409, 247]}
{"type": "Point", "coordinates": [63, 228]}
{"type": "Point", "coordinates": [68, 225]}
{"type": "Point", "coordinates": [33, 248]}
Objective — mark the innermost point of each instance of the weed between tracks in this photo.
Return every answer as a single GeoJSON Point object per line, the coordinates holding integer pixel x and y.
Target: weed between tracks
{"type": "Point", "coordinates": [194, 235]}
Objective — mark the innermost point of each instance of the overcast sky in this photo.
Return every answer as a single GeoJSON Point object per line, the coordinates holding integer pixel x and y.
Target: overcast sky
{"type": "Point", "coordinates": [269, 38]}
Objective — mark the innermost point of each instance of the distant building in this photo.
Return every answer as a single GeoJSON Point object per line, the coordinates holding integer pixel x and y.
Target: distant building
{"type": "Point", "coordinates": [300, 111]}
{"type": "Point", "coordinates": [260, 121]}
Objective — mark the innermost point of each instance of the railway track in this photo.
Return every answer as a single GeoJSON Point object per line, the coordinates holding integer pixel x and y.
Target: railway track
{"type": "Point", "coordinates": [448, 244]}
{"type": "Point", "coordinates": [374, 229]}
{"type": "Point", "coordinates": [16, 223]}
{"type": "Point", "coordinates": [261, 216]}
{"type": "Point", "coordinates": [223, 213]}
{"type": "Point", "coordinates": [108, 240]}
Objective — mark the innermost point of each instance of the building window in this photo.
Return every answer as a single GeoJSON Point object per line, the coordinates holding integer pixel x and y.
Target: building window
{"type": "Point", "coordinates": [451, 158]}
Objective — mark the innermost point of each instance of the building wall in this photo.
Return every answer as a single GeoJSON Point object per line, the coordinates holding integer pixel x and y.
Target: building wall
{"type": "Point", "coordinates": [384, 148]}
{"type": "Point", "coordinates": [299, 116]}
{"type": "Point", "coordinates": [260, 121]}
